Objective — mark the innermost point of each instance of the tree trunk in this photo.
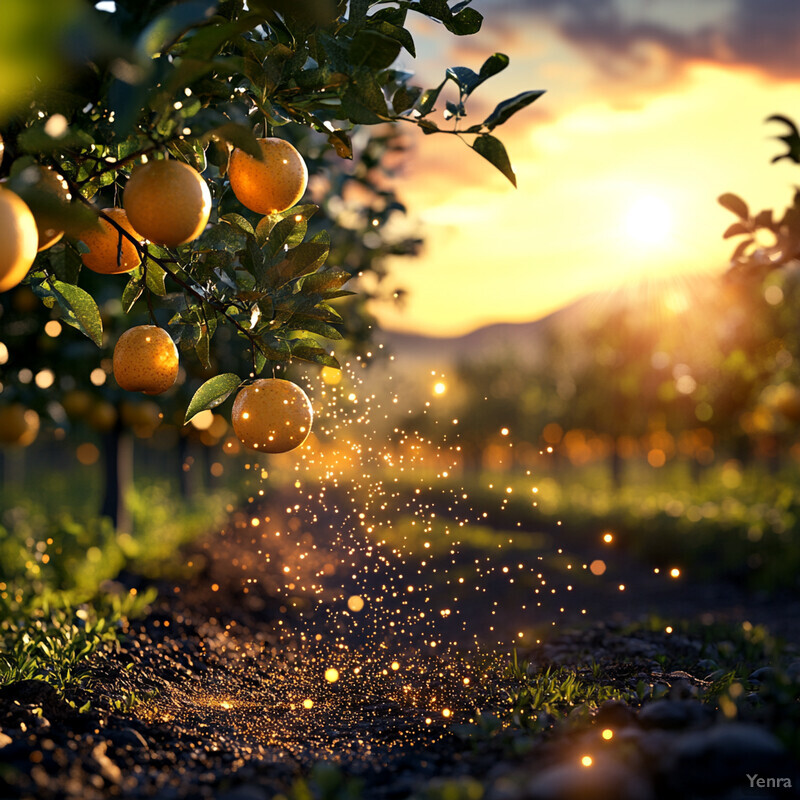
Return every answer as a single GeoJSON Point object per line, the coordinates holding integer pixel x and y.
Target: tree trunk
{"type": "Point", "coordinates": [118, 459]}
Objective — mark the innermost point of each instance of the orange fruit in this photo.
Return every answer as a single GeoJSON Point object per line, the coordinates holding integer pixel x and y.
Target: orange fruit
{"type": "Point", "coordinates": [105, 255]}
{"type": "Point", "coordinates": [272, 415]}
{"type": "Point", "coordinates": [167, 201]}
{"type": "Point", "coordinates": [18, 239]}
{"type": "Point", "coordinates": [18, 425]}
{"type": "Point", "coordinates": [48, 227]}
{"type": "Point", "coordinates": [145, 360]}
{"type": "Point", "coordinates": [271, 185]}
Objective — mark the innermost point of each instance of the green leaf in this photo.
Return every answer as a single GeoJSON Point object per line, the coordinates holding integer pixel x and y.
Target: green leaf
{"type": "Point", "coordinates": [791, 139]}
{"type": "Point", "coordinates": [309, 350]}
{"type": "Point", "coordinates": [288, 233]}
{"type": "Point", "coordinates": [324, 280]}
{"type": "Point", "coordinates": [305, 258]}
{"type": "Point", "coordinates": [494, 152]}
{"type": "Point", "coordinates": [266, 224]}
{"type": "Point", "coordinates": [735, 205]}
{"type": "Point", "coordinates": [81, 308]}
{"type": "Point", "coordinates": [303, 322]}
{"type": "Point", "coordinates": [509, 107]}
{"type": "Point", "coordinates": [191, 152]}
{"type": "Point", "coordinates": [239, 136]}
{"type": "Point", "coordinates": [465, 23]}
{"type": "Point", "coordinates": [341, 143]}
{"type": "Point", "coordinates": [494, 64]}
{"type": "Point", "coordinates": [132, 292]}
{"type": "Point", "coordinates": [213, 392]}
{"type": "Point", "coordinates": [373, 49]}
{"type": "Point", "coordinates": [429, 98]}
{"type": "Point", "coordinates": [174, 21]}
{"type": "Point", "coordinates": [404, 98]}
{"type": "Point", "coordinates": [358, 10]}
{"type": "Point", "coordinates": [239, 221]}
{"type": "Point", "coordinates": [736, 229]}
{"type": "Point", "coordinates": [155, 277]}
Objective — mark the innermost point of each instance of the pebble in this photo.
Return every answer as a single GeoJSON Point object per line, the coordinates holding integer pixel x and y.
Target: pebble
{"type": "Point", "coordinates": [673, 714]}
{"type": "Point", "coordinates": [604, 780]}
{"type": "Point", "coordinates": [761, 675]}
{"type": "Point", "coordinates": [720, 757]}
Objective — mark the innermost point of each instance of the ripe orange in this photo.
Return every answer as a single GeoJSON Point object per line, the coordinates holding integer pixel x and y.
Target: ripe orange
{"type": "Point", "coordinates": [271, 185]}
{"type": "Point", "coordinates": [105, 254]}
{"type": "Point", "coordinates": [167, 201]}
{"type": "Point", "coordinates": [18, 425]}
{"type": "Point", "coordinates": [272, 415]}
{"type": "Point", "coordinates": [18, 239]}
{"type": "Point", "coordinates": [48, 227]}
{"type": "Point", "coordinates": [145, 360]}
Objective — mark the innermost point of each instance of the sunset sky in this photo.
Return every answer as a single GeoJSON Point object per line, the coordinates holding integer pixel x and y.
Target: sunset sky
{"type": "Point", "coordinates": [653, 109]}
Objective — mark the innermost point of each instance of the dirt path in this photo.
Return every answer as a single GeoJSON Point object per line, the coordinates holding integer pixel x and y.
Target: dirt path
{"type": "Point", "coordinates": [263, 664]}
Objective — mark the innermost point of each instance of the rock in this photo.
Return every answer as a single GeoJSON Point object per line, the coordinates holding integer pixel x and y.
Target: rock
{"type": "Point", "coordinates": [706, 665]}
{"type": "Point", "coordinates": [126, 738]}
{"type": "Point", "coordinates": [673, 714]}
{"type": "Point", "coordinates": [614, 714]}
{"type": "Point", "coordinates": [720, 757]}
{"type": "Point", "coordinates": [793, 672]}
{"type": "Point", "coordinates": [5, 739]}
{"type": "Point", "coordinates": [761, 675]}
{"type": "Point", "coordinates": [605, 779]}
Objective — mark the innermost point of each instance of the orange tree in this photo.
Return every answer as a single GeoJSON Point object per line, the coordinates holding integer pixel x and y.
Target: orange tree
{"type": "Point", "coordinates": [191, 89]}
{"type": "Point", "coordinates": [146, 106]}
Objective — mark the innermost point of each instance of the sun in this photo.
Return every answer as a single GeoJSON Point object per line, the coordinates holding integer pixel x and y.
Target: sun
{"type": "Point", "coordinates": [648, 221]}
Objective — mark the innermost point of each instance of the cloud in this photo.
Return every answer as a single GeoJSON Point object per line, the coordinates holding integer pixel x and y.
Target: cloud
{"type": "Point", "coordinates": [625, 38]}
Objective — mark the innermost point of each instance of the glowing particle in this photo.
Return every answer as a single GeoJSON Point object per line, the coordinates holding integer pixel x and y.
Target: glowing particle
{"type": "Point", "coordinates": [214, 587]}
{"type": "Point", "coordinates": [308, 703]}
{"type": "Point", "coordinates": [446, 712]}
{"type": "Point", "coordinates": [355, 603]}
{"type": "Point", "coordinates": [668, 629]}
{"type": "Point", "coordinates": [608, 734]}
{"type": "Point", "coordinates": [608, 538]}
{"type": "Point", "coordinates": [597, 567]}
{"type": "Point", "coordinates": [674, 573]}
{"type": "Point", "coordinates": [439, 388]}
{"type": "Point", "coordinates": [504, 431]}
{"type": "Point", "coordinates": [331, 675]}
{"type": "Point", "coordinates": [226, 704]}
{"type": "Point", "coordinates": [587, 761]}
{"type": "Point", "coordinates": [622, 587]}
{"type": "Point", "coordinates": [395, 665]}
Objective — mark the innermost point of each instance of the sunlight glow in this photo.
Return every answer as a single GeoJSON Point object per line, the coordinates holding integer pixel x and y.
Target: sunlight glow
{"type": "Point", "coordinates": [648, 221]}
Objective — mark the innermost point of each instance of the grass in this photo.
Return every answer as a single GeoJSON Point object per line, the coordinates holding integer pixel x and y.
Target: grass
{"type": "Point", "coordinates": [59, 603]}
{"type": "Point", "coordinates": [733, 524]}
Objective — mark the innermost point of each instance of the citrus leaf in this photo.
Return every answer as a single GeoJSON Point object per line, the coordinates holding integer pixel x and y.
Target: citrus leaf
{"type": "Point", "coordinates": [736, 229]}
{"type": "Point", "coordinates": [213, 392]}
{"type": "Point", "coordinates": [154, 278]}
{"type": "Point", "coordinates": [494, 152]}
{"type": "Point", "coordinates": [81, 308]}
{"type": "Point", "coordinates": [132, 292]}
{"type": "Point", "coordinates": [734, 204]}
{"type": "Point", "coordinates": [509, 107]}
